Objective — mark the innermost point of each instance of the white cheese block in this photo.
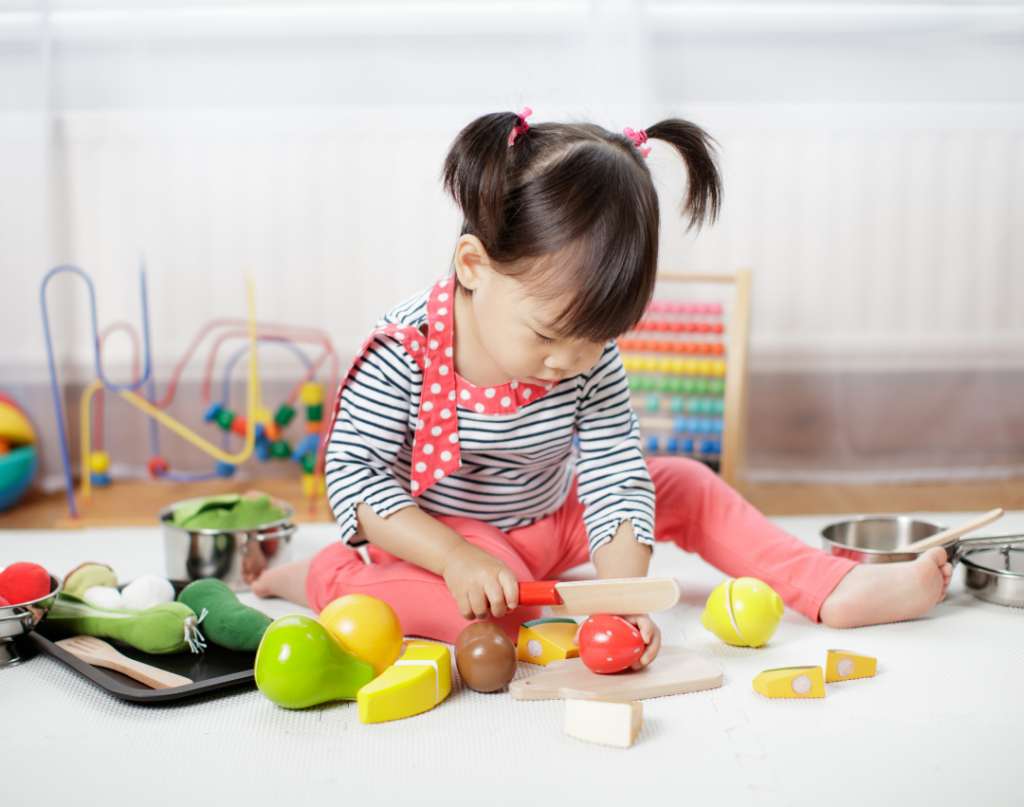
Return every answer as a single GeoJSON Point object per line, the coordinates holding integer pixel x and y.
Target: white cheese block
{"type": "Point", "coordinates": [605, 722]}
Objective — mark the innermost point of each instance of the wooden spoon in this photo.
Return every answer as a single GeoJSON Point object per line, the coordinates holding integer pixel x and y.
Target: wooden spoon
{"type": "Point", "coordinates": [101, 654]}
{"type": "Point", "coordinates": [953, 532]}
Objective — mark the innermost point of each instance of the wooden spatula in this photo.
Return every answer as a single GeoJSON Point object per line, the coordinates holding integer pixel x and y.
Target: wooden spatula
{"type": "Point", "coordinates": [101, 654]}
{"type": "Point", "coordinates": [945, 536]}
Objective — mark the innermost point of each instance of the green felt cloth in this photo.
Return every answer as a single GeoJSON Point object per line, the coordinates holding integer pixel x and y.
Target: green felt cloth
{"type": "Point", "coordinates": [227, 513]}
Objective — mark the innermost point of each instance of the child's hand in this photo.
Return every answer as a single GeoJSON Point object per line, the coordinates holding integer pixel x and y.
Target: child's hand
{"type": "Point", "coordinates": [480, 583]}
{"type": "Point", "coordinates": [649, 632]}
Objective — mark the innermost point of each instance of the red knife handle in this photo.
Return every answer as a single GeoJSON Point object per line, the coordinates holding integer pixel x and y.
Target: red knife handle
{"type": "Point", "coordinates": [539, 592]}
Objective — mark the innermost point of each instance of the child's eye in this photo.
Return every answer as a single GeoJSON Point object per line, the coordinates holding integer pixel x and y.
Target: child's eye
{"type": "Point", "coordinates": [543, 338]}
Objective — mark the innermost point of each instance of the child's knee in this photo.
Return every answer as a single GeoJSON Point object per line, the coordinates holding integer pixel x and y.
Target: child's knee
{"type": "Point", "coordinates": [681, 476]}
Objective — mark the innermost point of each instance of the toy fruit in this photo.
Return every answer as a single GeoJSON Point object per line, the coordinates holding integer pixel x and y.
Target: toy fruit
{"type": "Point", "coordinates": [367, 626]}
{"type": "Point", "coordinates": [417, 682]}
{"type": "Point", "coordinates": [485, 657]}
{"type": "Point", "coordinates": [542, 641]}
{"type": "Point", "coordinates": [609, 644]}
{"type": "Point", "coordinates": [299, 663]}
{"type": "Point", "coordinates": [744, 612]}
{"type": "Point", "coordinates": [791, 682]}
{"type": "Point", "coordinates": [228, 622]}
{"type": "Point", "coordinates": [24, 582]}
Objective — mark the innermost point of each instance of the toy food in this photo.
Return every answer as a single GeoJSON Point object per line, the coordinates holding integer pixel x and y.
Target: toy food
{"type": "Point", "coordinates": [744, 612]}
{"type": "Point", "coordinates": [603, 721]}
{"type": "Point", "coordinates": [103, 597]}
{"type": "Point", "coordinates": [299, 663]}
{"type": "Point", "coordinates": [3, 602]}
{"type": "Point", "coordinates": [545, 640]}
{"type": "Point", "coordinates": [170, 627]}
{"type": "Point", "coordinates": [485, 657]}
{"type": "Point", "coordinates": [367, 626]}
{"type": "Point", "coordinates": [84, 577]}
{"type": "Point", "coordinates": [24, 582]}
{"type": "Point", "coordinates": [227, 513]}
{"type": "Point", "coordinates": [417, 682]}
{"type": "Point", "coordinates": [791, 682]}
{"type": "Point", "coordinates": [227, 622]}
{"type": "Point", "coordinates": [844, 665]}
{"type": "Point", "coordinates": [147, 591]}
{"type": "Point", "coordinates": [609, 644]}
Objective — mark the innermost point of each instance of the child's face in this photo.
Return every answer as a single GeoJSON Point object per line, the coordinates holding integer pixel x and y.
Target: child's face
{"type": "Point", "coordinates": [514, 333]}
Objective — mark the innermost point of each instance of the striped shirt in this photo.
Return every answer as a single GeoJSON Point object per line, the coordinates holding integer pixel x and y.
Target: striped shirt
{"type": "Point", "coordinates": [516, 468]}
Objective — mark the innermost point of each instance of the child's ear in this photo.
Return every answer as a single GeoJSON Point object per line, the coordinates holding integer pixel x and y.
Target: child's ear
{"type": "Point", "coordinates": [471, 261]}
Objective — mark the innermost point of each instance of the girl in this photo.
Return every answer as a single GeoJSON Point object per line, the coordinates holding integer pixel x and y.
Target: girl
{"type": "Point", "coordinates": [484, 434]}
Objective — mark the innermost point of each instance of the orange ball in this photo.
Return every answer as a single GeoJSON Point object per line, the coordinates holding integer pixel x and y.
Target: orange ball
{"type": "Point", "coordinates": [366, 626]}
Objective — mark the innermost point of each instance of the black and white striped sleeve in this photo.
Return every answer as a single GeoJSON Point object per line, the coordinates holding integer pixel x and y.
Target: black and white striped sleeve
{"type": "Point", "coordinates": [372, 426]}
{"type": "Point", "coordinates": [614, 484]}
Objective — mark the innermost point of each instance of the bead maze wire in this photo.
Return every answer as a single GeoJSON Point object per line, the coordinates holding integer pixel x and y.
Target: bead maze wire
{"type": "Point", "coordinates": [261, 433]}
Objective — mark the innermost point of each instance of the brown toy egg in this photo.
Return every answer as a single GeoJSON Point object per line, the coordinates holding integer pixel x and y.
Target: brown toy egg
{"type": "Point", "coordinates": [485, 657]}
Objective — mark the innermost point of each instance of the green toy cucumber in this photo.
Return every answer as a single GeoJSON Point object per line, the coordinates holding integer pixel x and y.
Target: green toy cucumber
{"type": "Point", "coordinates": [170, 627]}
{"type": "Point", "coordinates": [227, 621]}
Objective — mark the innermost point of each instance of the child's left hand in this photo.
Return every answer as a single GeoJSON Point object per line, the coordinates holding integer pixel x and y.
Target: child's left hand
{"type": "Point", "coordinates": [649, 632]}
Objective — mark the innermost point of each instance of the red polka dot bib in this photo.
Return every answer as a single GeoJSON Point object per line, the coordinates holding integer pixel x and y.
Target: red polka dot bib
{"type": "Point", "coordinates": [435, 450]}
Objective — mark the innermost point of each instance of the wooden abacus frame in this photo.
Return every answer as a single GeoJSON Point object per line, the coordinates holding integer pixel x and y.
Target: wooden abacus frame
{"type": "Point", "coordinates": [733, 461]}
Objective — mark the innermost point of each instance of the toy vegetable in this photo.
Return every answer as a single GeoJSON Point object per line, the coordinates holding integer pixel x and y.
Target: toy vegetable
{"type": "Point", "coordinates": [167, 628]}
{"type": "Point", "coordinates": [24, 582]}
{"type": "Point", "coordinates": [226, 621]}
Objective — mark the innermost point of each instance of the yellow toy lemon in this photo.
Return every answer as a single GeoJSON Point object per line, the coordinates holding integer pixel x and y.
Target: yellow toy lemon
{"type": "Point", "coordinates": [367, 627]}
{"type": "Point", "coordinates": [743, 612]}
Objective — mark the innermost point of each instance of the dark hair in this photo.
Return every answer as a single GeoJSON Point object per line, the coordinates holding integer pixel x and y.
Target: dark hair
{"type": "Point", "coordinates": [582, 191]}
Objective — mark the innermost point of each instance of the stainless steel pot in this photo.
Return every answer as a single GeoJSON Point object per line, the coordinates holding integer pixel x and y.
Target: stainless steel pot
{"type": "Point", "coordinates": [996, 574]}
{"type": "Point", "coordinates": [22, 618]}
{"type": "Point", "coordinates": [198, 554]}
{"type": "Point", "coordinates": [994, 571]}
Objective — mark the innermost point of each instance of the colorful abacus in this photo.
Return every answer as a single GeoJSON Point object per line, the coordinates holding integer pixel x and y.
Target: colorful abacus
{"type": "Point", "coordinates": [678, 362]}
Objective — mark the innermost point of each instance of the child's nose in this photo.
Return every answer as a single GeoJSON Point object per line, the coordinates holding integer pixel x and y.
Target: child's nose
{"type": "Point", "coordinates": [562, 360]}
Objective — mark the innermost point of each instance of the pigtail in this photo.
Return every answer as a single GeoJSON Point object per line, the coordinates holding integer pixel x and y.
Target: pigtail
{"type": "Point", "coordinates": [696, 147]}
{"type": "Point", "coordinates": [476, 169]}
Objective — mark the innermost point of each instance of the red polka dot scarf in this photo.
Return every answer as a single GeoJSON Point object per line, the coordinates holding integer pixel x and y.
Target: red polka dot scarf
{"type": "Point", "coordinates": [435, 451]}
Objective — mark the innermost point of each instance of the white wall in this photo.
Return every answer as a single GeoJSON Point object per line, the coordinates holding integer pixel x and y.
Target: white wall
{"type": "Point", "coordinates": [873, 157]}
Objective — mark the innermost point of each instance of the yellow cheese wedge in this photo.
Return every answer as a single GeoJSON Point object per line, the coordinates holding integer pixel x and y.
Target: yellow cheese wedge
{"type": "Point", "coordinates": [541, 641]}
{"type": "Point", "coordinates": [416, 683]}
{"type": "Point", "coordinates": [605, 722]}
{"type": "Point", "coordinates": [842, 665]}
{"type": "Point", "coordinates": [791, 682]}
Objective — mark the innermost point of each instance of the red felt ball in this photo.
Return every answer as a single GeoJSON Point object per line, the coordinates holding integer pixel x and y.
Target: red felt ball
{"type": "Point", "coordinates": [609, 644]}
{"type": "Point", "coordinates": [3, 602]}
{"type": "Point", "coordinates": [24, 582]}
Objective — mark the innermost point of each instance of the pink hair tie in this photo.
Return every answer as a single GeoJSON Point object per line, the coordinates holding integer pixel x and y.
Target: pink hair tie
{"type": "Point", "coordinates": [638, 138]}
{"type": "Point", "coordinates": [522, 127]}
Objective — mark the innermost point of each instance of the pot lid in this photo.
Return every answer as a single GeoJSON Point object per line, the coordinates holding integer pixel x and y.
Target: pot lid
{"type": "Point", "coordinates": [1007, 560]}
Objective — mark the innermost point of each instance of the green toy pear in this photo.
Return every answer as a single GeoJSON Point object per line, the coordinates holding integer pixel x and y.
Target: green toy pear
{"type": "Point", "coordinates": [300, 664]}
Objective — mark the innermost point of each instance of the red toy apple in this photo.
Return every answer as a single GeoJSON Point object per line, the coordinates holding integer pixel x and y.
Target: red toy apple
{"type": "Point", "coordinates": [24, 582]}
{"type": "Point", "coordinates": [609, 644]}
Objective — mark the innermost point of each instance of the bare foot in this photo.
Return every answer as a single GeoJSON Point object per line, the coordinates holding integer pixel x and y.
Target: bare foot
{"type": "Point", "coordinates": [253, 561]}
{"type": "Point", "coordinates": [287, 581]}
{"type": "Point", "coordinates": [874, 593]}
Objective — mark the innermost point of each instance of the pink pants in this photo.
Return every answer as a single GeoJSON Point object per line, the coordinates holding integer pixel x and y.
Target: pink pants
{"type": "Point", "coordinates": [694, 509]}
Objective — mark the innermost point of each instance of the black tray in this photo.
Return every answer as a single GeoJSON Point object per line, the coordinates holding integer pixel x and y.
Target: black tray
{"type": "Point", "coordinates": [216, 668]}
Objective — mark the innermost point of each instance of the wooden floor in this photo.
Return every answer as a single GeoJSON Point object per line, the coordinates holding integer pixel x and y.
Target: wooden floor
{"type": "Point", "coordinates": [131, 503]}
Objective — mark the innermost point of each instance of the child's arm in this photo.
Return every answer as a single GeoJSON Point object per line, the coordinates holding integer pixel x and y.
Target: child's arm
{"type": "Point", "coordinates": [480, 582]}
{"type": "Point", "coordinates": [624, 556]}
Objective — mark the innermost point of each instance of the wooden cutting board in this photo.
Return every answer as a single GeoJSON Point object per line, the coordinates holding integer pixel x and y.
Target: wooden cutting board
{"type": "Point", "coordinates": [674, 671]}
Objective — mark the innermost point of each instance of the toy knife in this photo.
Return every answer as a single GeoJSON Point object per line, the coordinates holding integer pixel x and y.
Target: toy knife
{"type": "Point", "coordinates": [627, 595]}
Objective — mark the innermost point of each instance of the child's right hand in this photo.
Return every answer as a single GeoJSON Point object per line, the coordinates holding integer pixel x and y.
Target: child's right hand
{"type": "Point", "coordinates": [480, 583]}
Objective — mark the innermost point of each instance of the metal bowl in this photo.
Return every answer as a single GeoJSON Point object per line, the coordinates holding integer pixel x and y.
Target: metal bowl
{"type": "Point", "coordinates": [199, 554]}
{"type": "Point", "coordinates": [878, 539]}
{"type": "Point", "coordinates": [16, 620]}
{"type": "Point", "coordinates": [996, 573]}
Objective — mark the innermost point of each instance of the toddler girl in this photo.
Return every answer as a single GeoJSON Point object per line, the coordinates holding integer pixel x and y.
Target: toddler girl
{"type": "Point", "coordinates": [484, 434]}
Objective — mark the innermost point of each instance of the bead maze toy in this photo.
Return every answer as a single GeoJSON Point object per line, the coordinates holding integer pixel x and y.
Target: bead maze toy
{"type": "Point", "coordinates": [19, 459]}
{"type": "Point", "coordinates": [260, 430]}
{"type": "Point", "coordinates": [686, 363]}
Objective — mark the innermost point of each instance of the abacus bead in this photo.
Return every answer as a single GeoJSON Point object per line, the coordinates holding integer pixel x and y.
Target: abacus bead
{"type": "Point", "coordinates": [671, 444]}
{"type": "Point", "coordinates": [652, 403]}
{"type": "Point", "coordinates": [652, 443]}
{"type": "Point", "coordinates": [686, 445]}
{"type": "Point", "coordinates": [686, 385]}
{"type": "Point", "coordinates": [716, 386]}
{"type": "Point", "coordinates": [679, 424]}
{"type": "Point", "coordinates": [700, 386]}
{"type": "Point", "coordinates": [676, 405]}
